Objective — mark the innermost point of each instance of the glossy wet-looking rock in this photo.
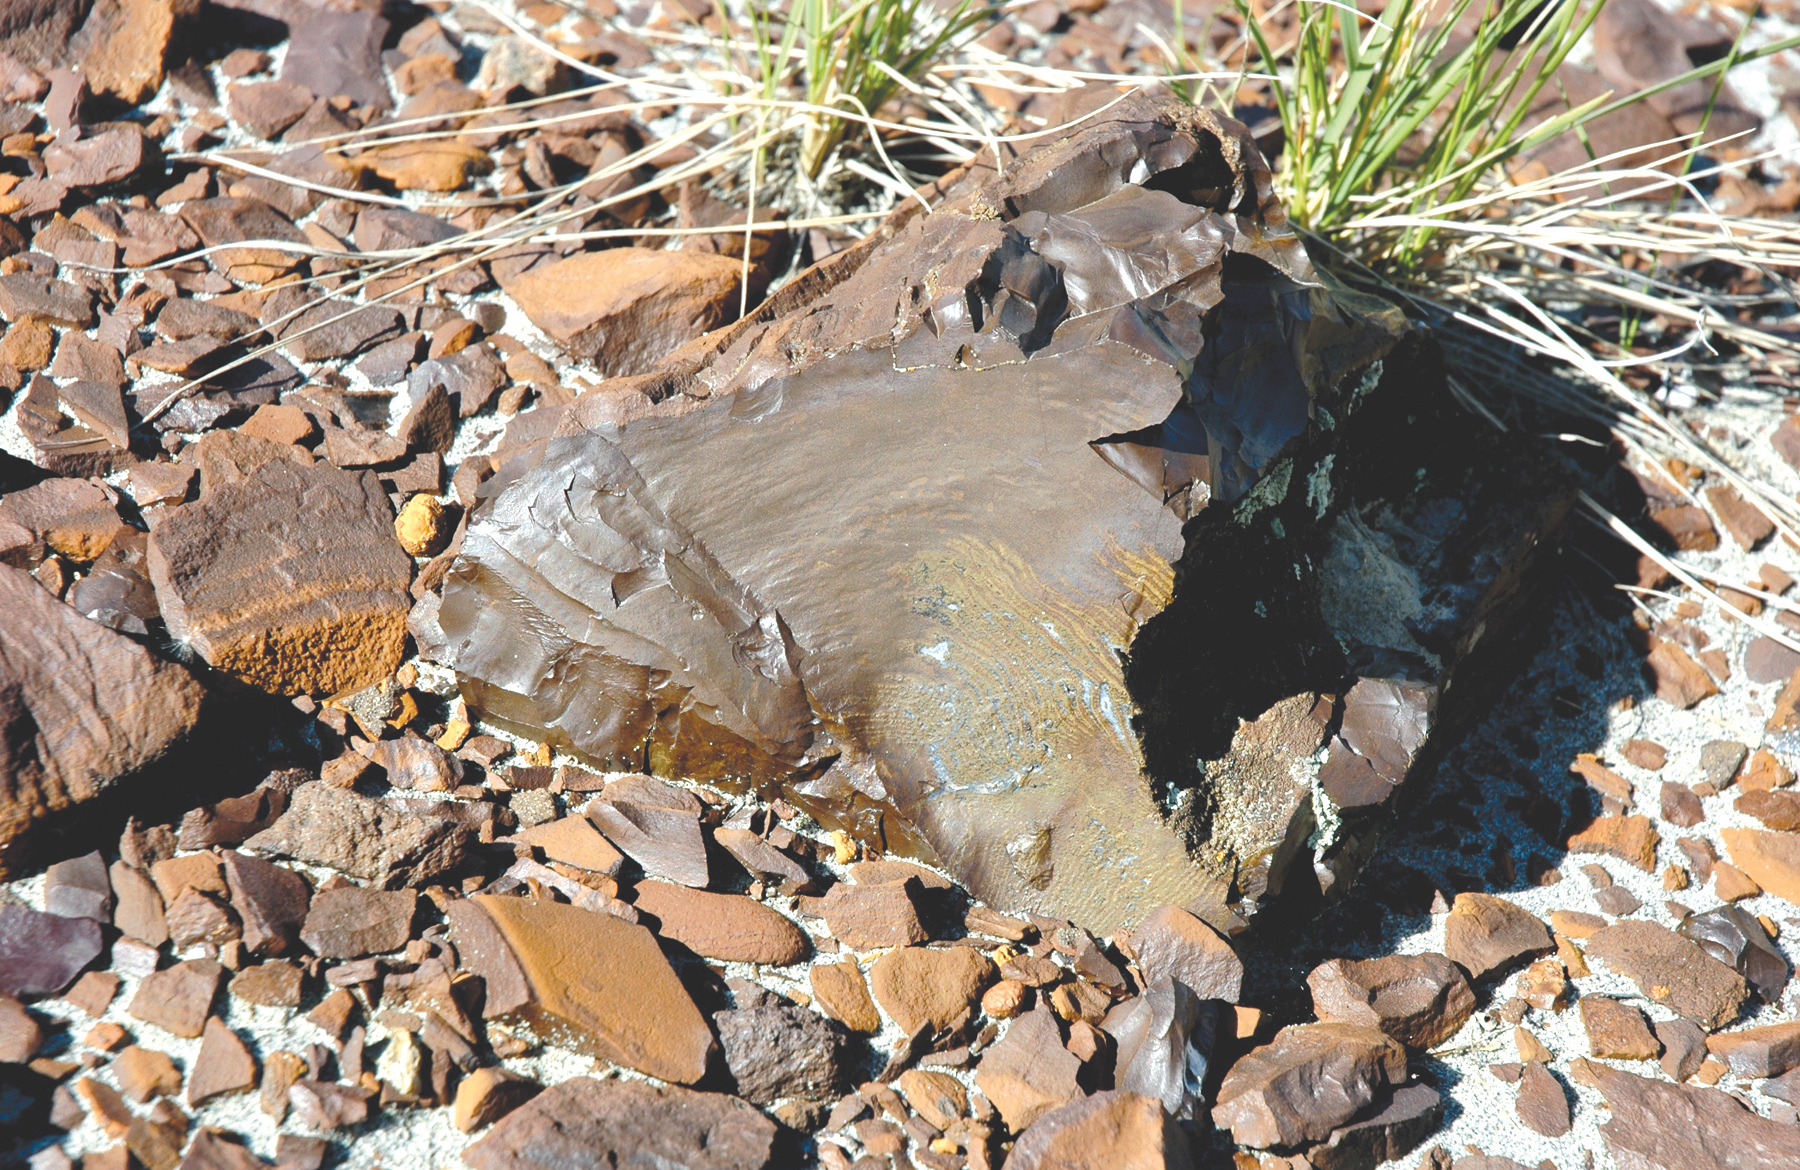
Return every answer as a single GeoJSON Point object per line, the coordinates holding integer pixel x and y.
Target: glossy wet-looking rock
{"type": "Point", "coordinates": [889, 544]}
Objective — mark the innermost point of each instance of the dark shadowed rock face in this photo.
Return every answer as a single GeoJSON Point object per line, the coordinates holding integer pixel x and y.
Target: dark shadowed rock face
{"type": "Point", "coordinates": [887, 542]}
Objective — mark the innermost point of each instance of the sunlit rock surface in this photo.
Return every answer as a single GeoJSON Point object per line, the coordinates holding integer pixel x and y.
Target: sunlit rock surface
{"type": "Point", "coordinates": [887, 544]}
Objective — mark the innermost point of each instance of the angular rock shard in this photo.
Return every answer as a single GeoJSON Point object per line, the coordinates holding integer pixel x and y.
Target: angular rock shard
{"type": "Point", "coordinates": [961, 458]}
{"type": "Point", "coordinates": [82, 709]}
{"type": "Point", "coordinates": [585, 1122]}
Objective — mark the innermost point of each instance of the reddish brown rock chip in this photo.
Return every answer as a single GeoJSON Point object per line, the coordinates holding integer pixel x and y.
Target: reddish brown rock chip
{"type": "Point", "coordinates": [178, 999]}
{"type": "Point", "coordinates": [1778, 810]}
{"type": "Point", "coordinates": [1671, 970]}
{"type": "Point", "coordinates": [1680, 681]}
{"type": "Point", "coordinates": [1484, 934]}
{"type": "Point", "coordinates": [223, 1066]}
{"type": "Point", "coordinates": [657, 825]}
{"type": "Point", "coordinates": [919, 986]}
{"type": "Point", "coordinates": [627, 308]}
{"type": "Point", "coordinates": [1688, 526]}
{"type": "Point", "coordinates": [728, 927]}
{"type": "Point", "coordinates": [488, 1094]}
{"type": "Point", "coordinates": [1617, 1030]}
{"type": "Point", "coordinates": [1648, 754]}
{"type": "Point", "coordinates": [587, 1122]}
{"type": "Point", "coordinates": [1029, 1072]}
{"type": "Point", "coordinates": [1419, 1000]}
{"type": "Point", "coordinates": [1309, 1081]}
{"type": "Point", "coordinates": [83, 710]}
{"type": "Point", "coordinates": [40, 954]}
{"type": "Point", "coordinates": [1541, 1104]}
{"type": "Point", "coordinates": [591, 981]}
{"type": "Point", "coordinates": [389, 843]}
{"type": "Point", "coordinates": [353, 921]}
{"type": "Point", "coordinates": [271, 901]}
{"type": "Point", "coordinates": [214, 1149]}
{"type": "Point", "coordinates": [765, 862]}
{"type": "Point", "coordinates": [276, 983]}
{"type": "Point", "coordinates": [1772, 860]}
{"type": "Point", "coordinates": [864, 917]}
{"type": "Point", "coordinates": [20, 1034]}
{"type": "Point", "coordinates": [1114, 1128]}
{"type": "Point", "coordinates": [1743, 520]}
{"type": "Point", "coordinates": [843, 994]}
{"type": "Point", "coordinates": [1173, 942]}
{"type": "Point", "coordinates": [1680, 806]}
{"type": "Point", "coordinates": [1631, 838]}
{"type": "Point", "coordinates": [144, 1074]}
{"type": "Point", "coordinates": [1412, 1114]}
{"type": "Point", "coordinates": [1657, 1126]}
{"type": "Point", "coordinates": [573, 840]}
{"type": "Point", "coordinates": [340, 619]}
{"type": "Point", "coordinates": [1767, 1051]}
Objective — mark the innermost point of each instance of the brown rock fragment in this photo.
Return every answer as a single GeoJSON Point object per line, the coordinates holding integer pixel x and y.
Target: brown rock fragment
{"type": "Point", "coordinates": [1113, 1128]}
{"type": "Point", "coordinates": [195, 917]}
{"type": "Point", "coordinates": [727, 927]}
{"type": "Point", "coordinates": [223, 1066]}
{"type": "Point", "coordinates": [1645, 753]}
{"type": "Point", "coordinates": [592, 981]}
{"type": "Point", "coordinates": [1680, 681]}
{"type": "Point", "coordinates": [868, 916]}
{"type": "Point", "coordinates": [657, 825]}
{"type": "Point", "coordinates": [20, 1034]}
{"type": "Point", "coordinates": [1483, 934]}
{"type": "Point", "coordinates": [1173, 942]}
{"type": "Point", "coordinates": [765, 862]}
{"type": "Point", "coordinates": [488, 1094]}
{"type": "Point", "coordinates": [1770, 859]}
{"type": "Point", "coordinates": [325, 1106]}
{"type": "Point", "coordinates": [276, 983]}
{"type": "Point", "coordinates": [627, 308]}
{"type": "Point", "coordinates": [352, 921]}
{"type": "Point", "coordinates": [389, 843]}
{"type": "Point", "coordinates": [1629, 838]}
{"type": "Point", "coordinates": [1671, 970]}
{"type": "Point", "coordinates": [1617, 1030]}
{"type": "Point", "coordinates": [145, 1074]}
{"type": "Point", "coordinates": [85, 709]}
{"type": "Point", "coordinates": [270, 900]}
{"type": "Point", "coordinates": [1732, 884]}
{"type": "Point", "coordinates": [1680, 806]}
{"type": "Point", "coordinates": [1541, 1104]}
{"type": "Point", "coordinates": [920, 987]}
{"type": "Point", "coordinates": [1657, 1126]}
{"type": "Point", "coordinates": [1742, 519]}
{"type": "Point", "coordinates": [588, 1122]}
{"type": "Point", "coordinates": [1029, 1072]}
{"type": "Point", "coordinates": [1311, 1079]}
{"type": "Point", "coordinates": [1683, 1047]}
{"type": "Point", "coordinates": [843, 994]}
{"type": "Point", "coordinates": [1419, 1000]}
{"type": "Point", "coordinates": [340, 620]}
{"type": "Point", "coordinates": [178, 999]}
{"type": "Point", "coordinates": [1688, 526]}
{"type": "Point", "coordinates": [93, 993]}
{"type": "Point", "coordinates": [573, 840]}
{"type": "Point", "coordinates": [1767, 1051]}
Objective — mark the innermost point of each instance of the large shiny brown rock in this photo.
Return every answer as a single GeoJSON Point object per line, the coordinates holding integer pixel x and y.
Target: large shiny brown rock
{"type": "Point", "coordinates": [1173, 942]}
{"type": "Point", "coordinates": [728, 927]}
{"type": "Point", "coordinates": [1419, 1000]}
{"type": "Point", "coordinates": [592, 982]}
{"type": "Point", "coordinates": [590, 1123]}
{"type": "Point", "coordinates": [965, 452]}
{"type": "Point", "coordinates": [289, 579]}
{"type": "Point", "coordinates": [1309, 1081]}
{"type": "Point", "coordinates": [82, 710]}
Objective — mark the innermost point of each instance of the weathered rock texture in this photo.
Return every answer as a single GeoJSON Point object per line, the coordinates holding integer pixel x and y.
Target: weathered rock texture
{"type": "Point", "coordinates": [289, 578]}
{"type": "Point", "coordinates": [885, 542]}
{"type": "Point", "coordinates": [82, 709]}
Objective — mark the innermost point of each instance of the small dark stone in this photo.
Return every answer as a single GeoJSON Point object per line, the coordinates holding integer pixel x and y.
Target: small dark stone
{"type": "Point", "coordinates": [40, 954]}
{"type": "Point", "coordinates": [79, 888]}
{"type": "Point", "coordinates": [1733, 936]}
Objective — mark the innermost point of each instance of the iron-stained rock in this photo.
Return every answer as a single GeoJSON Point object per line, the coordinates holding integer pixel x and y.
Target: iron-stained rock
{"type": "Point", "coordinates": [1309, 1081]}
{"type": "Point", "coordinates": [1672, 971]}
{"type": "Point", "coordinates": [1484, 934]}
{"type": "Point", "coordinates": [590, 1123]}
{"type": "Point", "coordinates": [1419, 1000]}
{"type": "Point", "coordinates": [1658, 1126]}
{"type": "Point", "coordinates": [391, 843]}
{"type": "Point", "coordinates": [1115, 1128]}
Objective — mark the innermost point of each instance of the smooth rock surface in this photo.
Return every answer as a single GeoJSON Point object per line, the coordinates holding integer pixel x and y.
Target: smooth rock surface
{"type": "Point", "coordinates": [587, 1124]}
{"type": "Point", "coordinates": [1309, 1081]}
{"type": "Point", "coordinates": [1419, 1000]}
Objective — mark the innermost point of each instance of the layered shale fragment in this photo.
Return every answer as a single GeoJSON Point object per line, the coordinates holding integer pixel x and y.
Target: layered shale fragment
{"type": "Point", "coordinates": [979, 539]}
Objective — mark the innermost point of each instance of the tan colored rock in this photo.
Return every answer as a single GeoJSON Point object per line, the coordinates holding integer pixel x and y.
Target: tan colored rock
{"type": "Point", "coordinates": [1311, 1079]}
{"type": "Point", "coordinates": [1005, 999]}
{"type": "Point", "coordinates": [592, 982]}
{"type": "Point", "coordinates": [1632, 839]}
{"type": "Point", "coordinates": [443, 165]}
{"type": "Point", "coordinates": [423, 526]}
{"type": "Point", "coordinates": [129, 40]}
{"type": "Point", "coordinates": [843, 994]}
{"type": "Point", "coordinates": [728, 927]}
{"type": "Point", "coordinates": [1616, 1030]}
{"type": "Point", "coordinates": [20, 1034]}
{"type": "Point", "coordinates": [627, 308]}
{"type": "Point", "coordinates": [942, 988]}
{"type": "Point", "coordinates": [1768, 1051]}
{"type": "Point", "coordinates": [488, 1094]}
{"type": "Point", "coordinates": [1672, 970]}
{"type": "Point", "coordinates": [338, 621]}
{"type": "Point", "coordinates": [1680, 680]}
{"type": "Point", "coordinates": [937, 1097]}
{"type": "Point", "coordinates": [882, 914]}
{"type": "Point", "coordinates": [82, 710]}
{"type": "Point", "coordinates": [145, 1074]}
{"type": "Point", "coordinates": [1772, 860]}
